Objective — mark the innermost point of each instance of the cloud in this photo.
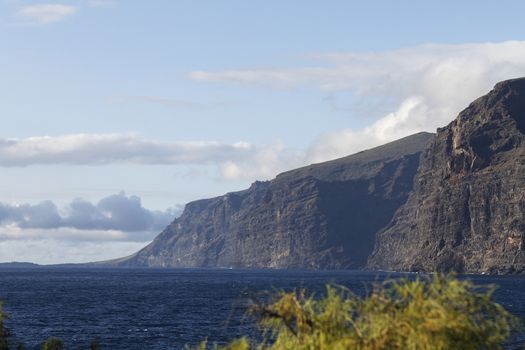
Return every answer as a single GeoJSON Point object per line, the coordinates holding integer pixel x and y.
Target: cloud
{"type": "Point", "coordinates": [374, 73]}
{"type": "Point", "coordinates": [116, 217]}
{"type": "Point", "coordinates": [46, 13]}
{"type": "Point", "coordinates": [411, 117]}
{"type": "Point", "coordinates": [400, 92]}
{"type": "Point", "coordinates": [235, 161]}
{"type": "Point", "coordinates": [97, 149]}
{"type": "Point", "coordinates": [265, 162]}
{"type": "Point", "coordinates": [116, 226]}
{"type": "Point", "coordinates": [424, 88]}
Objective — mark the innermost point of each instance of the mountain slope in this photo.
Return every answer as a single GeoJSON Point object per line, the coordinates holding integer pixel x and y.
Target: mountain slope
{"type": "Point", "coordinates": [321, 216]}
{"type": "Point", "coordinates": [467, 210]}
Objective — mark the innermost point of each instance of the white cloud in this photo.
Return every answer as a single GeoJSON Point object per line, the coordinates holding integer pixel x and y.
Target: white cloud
{"type": "Point", "coordinates": [235, 161]}
{"type": "Point", "coordinates": [425, 87]}
{"type": "Point", "coordinates": [93, 149]}
{"type": "Point", "coordinates": [265, 162]}
{"type": "Point", "coordinates": [46, 13]}
{"type": "Point", "coordinates": [411, 117]}
{"type": "Point", "coordinates": [418, 89]}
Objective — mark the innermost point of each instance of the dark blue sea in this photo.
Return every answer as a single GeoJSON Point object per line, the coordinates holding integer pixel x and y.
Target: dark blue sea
{"type": "Point", "coordinates": [167, 309]}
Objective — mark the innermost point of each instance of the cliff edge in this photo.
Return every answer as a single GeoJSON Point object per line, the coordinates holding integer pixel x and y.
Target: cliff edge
{"type": "Point", "coordinates": [467, 210]}
{"type": "Point", "coordinates": [321, 216]}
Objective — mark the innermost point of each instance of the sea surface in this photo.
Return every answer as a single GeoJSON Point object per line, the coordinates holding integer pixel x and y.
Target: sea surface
{"type": "Point", "coordinates": [167, 309]}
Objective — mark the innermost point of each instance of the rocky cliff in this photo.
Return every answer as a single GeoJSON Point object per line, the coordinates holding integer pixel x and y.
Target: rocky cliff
{"type": "Point", "coordinates": [467, 210]}
{"type": "Point", "coordinates": [321, 216]}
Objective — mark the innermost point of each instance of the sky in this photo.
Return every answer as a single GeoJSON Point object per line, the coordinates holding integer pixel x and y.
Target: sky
{"type": "Point", "coordinates": [116, 113]}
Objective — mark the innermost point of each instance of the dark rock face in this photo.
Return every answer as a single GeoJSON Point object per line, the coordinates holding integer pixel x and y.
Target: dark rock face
{"type": "Point", "coordinates": [467, 210]}
{"type": "Point", "coordinates": [321, 216]}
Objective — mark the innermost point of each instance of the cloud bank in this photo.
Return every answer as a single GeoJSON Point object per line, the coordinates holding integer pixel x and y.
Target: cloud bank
{"type": "Point", "coordinates": [115, 226]}
{"type": "Point", "coordinates": [99, 149]}
{"type": "Point", "coordinates": [114, 217]}
{"type": "Point", "coordinates": [425, 87]}
{"type": "Point", "coordinates": [402, 92]}
{"type": "Point", "coordinates": [239, 160]}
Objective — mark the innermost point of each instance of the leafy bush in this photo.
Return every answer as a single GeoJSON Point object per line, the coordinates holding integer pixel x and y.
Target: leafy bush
{"type": "Point", "coordinates": [53, 344]}
{"type": "Point", "coordinates": [4, 334]}
{"type": "Point", "coordinates": [441, 313]}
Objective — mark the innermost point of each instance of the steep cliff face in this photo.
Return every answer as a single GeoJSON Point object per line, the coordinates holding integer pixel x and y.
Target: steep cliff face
{"type": "Point", "coordinates": [467, 210]}
{"type": "Point", "coordinates": [321, 216]}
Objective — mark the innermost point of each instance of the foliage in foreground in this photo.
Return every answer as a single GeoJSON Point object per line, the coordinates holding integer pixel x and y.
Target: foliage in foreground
{"type": "Point", "coordinates": [3, 331]}
{"type": "Point", "coordinates": [438, 313]}
{"type": "Point", "coordinates": [53, 344]}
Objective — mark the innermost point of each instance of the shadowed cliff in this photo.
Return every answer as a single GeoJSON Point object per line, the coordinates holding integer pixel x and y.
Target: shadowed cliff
{"type": "Point", "coordinates": [321, 216]}
{"type": "Point", "coordinates": [467, 210]}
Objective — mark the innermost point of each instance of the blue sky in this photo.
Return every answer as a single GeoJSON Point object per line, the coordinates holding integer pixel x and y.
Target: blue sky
{"type": "Point", "coordinates": [150, 104]}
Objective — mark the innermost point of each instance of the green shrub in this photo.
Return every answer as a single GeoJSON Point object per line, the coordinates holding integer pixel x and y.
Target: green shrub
{"type": "Point", "coordinates": [94, 345]}
{"type": "Point", "coordinates": [441, 313]}
{"type": "Point", "coordinates": [53, 344]}
{"type": "Point", "coordinates": [4, 334]}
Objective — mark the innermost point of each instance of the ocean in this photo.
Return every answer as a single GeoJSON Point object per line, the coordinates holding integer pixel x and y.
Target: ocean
{"type": "Point", "coordinates": [168, 308]}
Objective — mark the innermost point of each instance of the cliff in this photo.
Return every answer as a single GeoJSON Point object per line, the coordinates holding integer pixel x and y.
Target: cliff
{"type": "Point", "coordinates": [320, 216]}
{"type": "Point", "coordinates": [467, 210]}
